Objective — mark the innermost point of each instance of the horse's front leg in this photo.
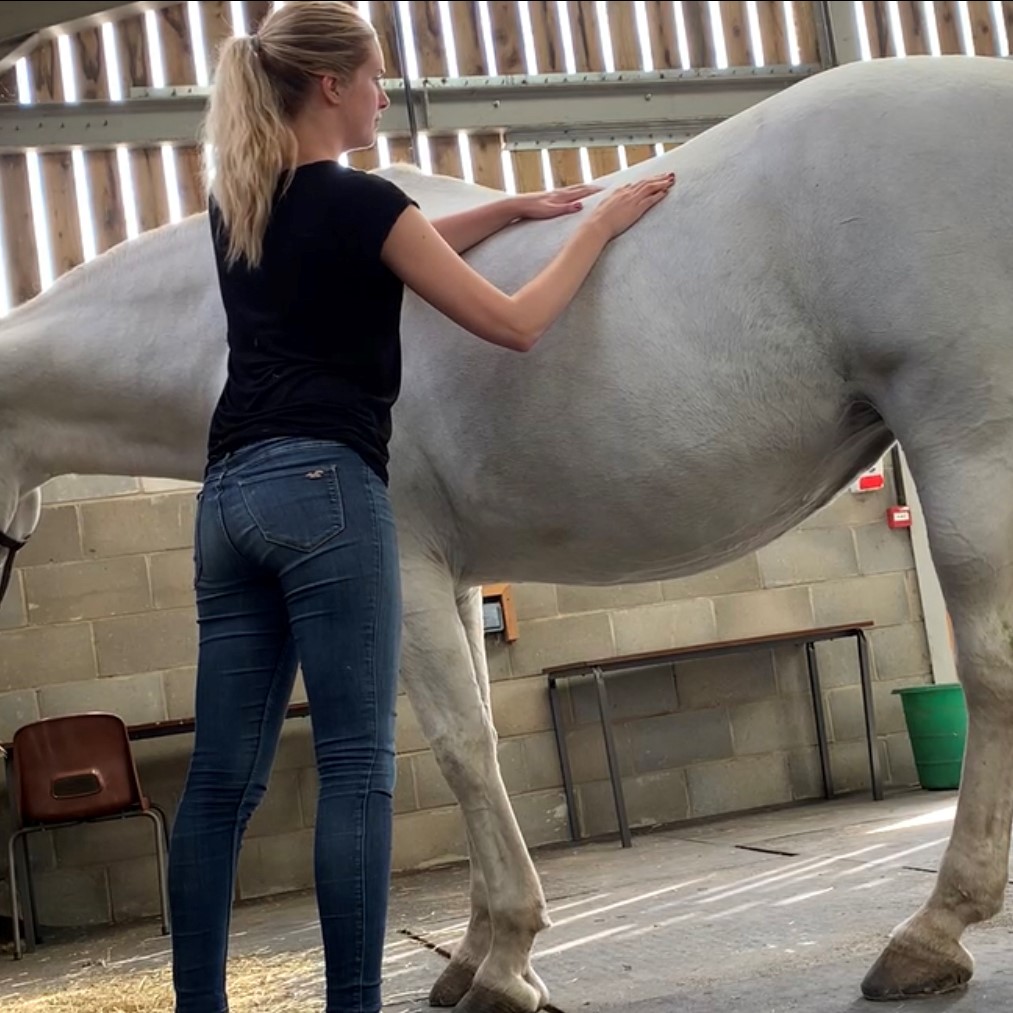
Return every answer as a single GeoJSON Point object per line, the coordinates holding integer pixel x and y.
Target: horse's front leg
{"type": "Point", "coordinates": [508, 907]}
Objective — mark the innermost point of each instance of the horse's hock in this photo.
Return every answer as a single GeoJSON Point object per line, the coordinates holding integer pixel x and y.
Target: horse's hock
{"type": "Point", "coordinates": [99, 614]}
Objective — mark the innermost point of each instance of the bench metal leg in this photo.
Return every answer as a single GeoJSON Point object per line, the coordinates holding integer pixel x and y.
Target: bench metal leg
{"type": "Point", "coordinates": [821, 722]}
{"type": "Point", "coordinates": [613, 759]}
{"type": "Point", "coordinates": [564, 758]}
{"type": "Point", "coordinates": [864, 671]}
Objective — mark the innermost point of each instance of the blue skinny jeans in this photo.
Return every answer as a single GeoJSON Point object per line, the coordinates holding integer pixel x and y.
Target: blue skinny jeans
{"type": "Point", "coordinates": [295, 562]}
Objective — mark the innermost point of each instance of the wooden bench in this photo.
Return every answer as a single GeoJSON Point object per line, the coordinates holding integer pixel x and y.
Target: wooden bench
{"type": "Point", "coordinates": [599, 669]}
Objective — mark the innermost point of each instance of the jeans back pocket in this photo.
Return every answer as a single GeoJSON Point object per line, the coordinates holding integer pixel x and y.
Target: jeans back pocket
{"type": "Point", "coordinates": [297, 509]}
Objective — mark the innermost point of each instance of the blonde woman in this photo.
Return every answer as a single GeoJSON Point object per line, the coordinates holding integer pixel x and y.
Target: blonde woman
{"type": "Point", "coordinates": [295, 550]}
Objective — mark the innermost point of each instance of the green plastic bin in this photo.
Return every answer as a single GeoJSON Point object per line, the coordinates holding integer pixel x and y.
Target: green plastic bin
{"type": "Point", "coordinates": [936, 719]}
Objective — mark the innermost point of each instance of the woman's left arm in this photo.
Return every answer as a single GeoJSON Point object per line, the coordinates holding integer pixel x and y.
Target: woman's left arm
{"type": "Point", "coordinates": [466, 229]}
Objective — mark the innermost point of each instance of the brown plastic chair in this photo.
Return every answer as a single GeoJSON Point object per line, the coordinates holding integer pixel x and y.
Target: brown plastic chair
{"type": "Point", "coordinates": [72, 770]}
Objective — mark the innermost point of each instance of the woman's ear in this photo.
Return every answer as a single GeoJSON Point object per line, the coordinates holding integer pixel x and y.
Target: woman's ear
{"type": "Point", "coordinates": [331, 89]}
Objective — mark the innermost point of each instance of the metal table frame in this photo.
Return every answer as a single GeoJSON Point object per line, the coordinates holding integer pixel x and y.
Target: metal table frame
{"type": "Point", "coordinates": [600, 669]}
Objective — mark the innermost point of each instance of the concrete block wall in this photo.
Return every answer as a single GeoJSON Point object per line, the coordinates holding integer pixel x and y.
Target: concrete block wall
{"type": "Point", "coordinates": [100, 616]}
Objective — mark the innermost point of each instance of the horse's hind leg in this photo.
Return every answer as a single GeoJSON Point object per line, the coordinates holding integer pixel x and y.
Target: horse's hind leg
{"type": "Point", "coordinates": [966, 486]}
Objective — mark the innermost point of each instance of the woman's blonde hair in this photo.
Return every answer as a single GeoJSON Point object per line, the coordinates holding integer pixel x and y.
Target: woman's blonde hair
{"type": "Point", "coordinates": [260, 84]}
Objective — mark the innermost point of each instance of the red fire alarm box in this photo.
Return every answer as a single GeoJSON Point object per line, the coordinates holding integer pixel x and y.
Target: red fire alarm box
{"type": "Point", "coordinates": [898, 517]}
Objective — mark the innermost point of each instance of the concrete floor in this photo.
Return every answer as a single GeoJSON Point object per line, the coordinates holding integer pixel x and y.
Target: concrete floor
{"type": "Point", "coordinates": [769, 913]}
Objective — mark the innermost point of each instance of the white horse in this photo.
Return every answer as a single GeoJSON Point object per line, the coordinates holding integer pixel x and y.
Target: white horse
{"type": "Point", "coordinates": [833, 271]}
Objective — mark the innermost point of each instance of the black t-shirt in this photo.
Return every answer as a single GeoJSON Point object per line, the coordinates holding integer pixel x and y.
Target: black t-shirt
{"type": "Point", "coordinates": [314, 330]}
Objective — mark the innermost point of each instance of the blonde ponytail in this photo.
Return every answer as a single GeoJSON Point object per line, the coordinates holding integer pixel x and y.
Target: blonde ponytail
{"type": "Point", "coordinates": [260, 84]}
{"type": "Point", "coordinates": [252, 146]}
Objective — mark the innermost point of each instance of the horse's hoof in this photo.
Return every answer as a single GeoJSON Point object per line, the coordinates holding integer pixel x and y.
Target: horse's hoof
{"type": "Point", "coordinates": [452, 985]}
{"type": "Point", "coordinates": [481, 999]}
{"type": "Point", "coordinates": [909, 970]}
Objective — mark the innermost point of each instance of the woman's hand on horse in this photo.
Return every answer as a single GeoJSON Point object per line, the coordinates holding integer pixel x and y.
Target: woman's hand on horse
{"type": "Point", "coordinates": [627, 204]}
{"type": "Point", "coordinates": [554, 203]}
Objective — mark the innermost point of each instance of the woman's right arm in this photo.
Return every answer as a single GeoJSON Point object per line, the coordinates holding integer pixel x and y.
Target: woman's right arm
{"type": "Point", "coordinates": [423, 260]}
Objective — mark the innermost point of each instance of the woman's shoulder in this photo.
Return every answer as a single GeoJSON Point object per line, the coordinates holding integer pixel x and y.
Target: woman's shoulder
{"type": "Point", "coordinates": [368, 192]}
{"type": "Point", "coordinates": [346, 184]}
{"type": "Point", "coordinates": [334, 173]}
{"type": "Point", "coordinates": [366, 182]}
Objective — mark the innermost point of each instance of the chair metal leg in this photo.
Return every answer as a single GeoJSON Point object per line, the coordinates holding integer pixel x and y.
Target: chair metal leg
{"type": "Point", "coordinates": [23, 869]}
{"type": "Point", "coordinates": [17, 838]}
{"type": "Point", "coordinates": [165, 822]}
{"type": "Point", "coordinates": [13, 880]}
{"type": "Point", "coordinates": [31, 912]}
{"type": "Point", "coordinates": [158, 819]}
